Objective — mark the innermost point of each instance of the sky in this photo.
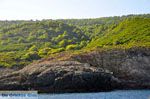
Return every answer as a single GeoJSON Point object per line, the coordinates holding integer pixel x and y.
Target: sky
{"type": "Point", "coordinates": [64, 9]}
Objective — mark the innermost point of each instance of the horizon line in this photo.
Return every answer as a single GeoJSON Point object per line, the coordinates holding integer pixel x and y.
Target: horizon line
{"type": "Point", "coordinates": [72, 18]}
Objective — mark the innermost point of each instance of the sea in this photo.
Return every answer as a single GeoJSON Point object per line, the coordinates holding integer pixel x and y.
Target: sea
{"type": "Point", "coordinates": [119, 94]}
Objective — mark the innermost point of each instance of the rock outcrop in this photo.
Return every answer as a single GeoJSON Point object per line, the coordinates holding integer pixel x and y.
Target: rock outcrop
{"type": "Point", "coordinates": [59, 76]}
{"type": "Point", "coordinates": [131, 66]}
{"type": "Point", "coordinates": [94, 71]}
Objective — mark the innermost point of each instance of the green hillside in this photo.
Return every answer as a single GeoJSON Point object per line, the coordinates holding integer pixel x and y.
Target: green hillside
{"type": "Point", "coordinates": [32, 40]}
{"type": "Point", "coordinates": [129, 33]}
{"type": "Point", "coordinates": [22, 42]}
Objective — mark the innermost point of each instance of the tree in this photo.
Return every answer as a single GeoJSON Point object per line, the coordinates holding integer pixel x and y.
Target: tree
{"type": "Point", "coordinates": [48, 44]}
{"type": "Point", "coordinates": [72, 47]}
{"type": "Point", "coordinates": [44, 51]}
{"type": "Point", "coordinates": [44, 36]}
{"type": "Point", "coordinates": [31, 56]}
{"type": "Point", "coordinates": [83, 43]}
{"type": "Point", "coordinates": [63, 43]}
{"type": "Point", "coordinates": [33, 48]}
{"type": "Point", "coordinates": [21, 40]}
{"type": "Point", "coordinates": [52, 51]}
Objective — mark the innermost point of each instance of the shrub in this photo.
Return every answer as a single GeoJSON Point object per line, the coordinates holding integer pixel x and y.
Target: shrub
{"type": "Point", "coordinates": [72, 47]}
{"type": "Point", "coordinates": [31, 56]}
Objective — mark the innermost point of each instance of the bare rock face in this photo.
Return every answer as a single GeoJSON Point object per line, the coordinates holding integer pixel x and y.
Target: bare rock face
{"type": "Point", "coordinates": [59, 76]}
{"type": "Point", "coordinates": [129, 65]}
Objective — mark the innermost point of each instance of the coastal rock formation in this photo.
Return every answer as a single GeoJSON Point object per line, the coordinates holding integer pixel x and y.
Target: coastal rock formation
{"type": "Point", "coordinates": [59, 76]}
{"type": "Point", "coordinates": [94, 71]}
{"type": "Point", "coordinates": [129, 65]}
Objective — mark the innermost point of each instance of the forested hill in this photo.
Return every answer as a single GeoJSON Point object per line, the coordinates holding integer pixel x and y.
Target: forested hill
{"type": "Point", "coordinates": [102, 20]}
{"type": "Point", "coordinates": [21, 42]}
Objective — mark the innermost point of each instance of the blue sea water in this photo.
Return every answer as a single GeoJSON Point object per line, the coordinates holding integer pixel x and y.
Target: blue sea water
{"type": "Point", "coordinates": [120, 94]}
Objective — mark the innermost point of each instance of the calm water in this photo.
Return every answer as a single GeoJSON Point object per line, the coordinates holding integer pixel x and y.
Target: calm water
{"type": "Point", "coordinates": [121, 94]}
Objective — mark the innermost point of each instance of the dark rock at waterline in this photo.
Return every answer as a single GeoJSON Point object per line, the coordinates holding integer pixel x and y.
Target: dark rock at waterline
{"type": "Point", "coordinates": [60, 76]}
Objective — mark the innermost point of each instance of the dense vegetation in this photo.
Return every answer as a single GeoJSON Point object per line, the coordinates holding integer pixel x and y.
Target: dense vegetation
{"type": "Point", "coordinates": [21, 42]}
{"type": "Point", "coordinates": [128, 33]}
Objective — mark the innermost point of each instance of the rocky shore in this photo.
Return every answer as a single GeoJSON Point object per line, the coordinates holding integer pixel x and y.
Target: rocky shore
{"type": "Point", "coordinates": [60, 76]}
{"type": "Point", "coordinates": [95, 71]}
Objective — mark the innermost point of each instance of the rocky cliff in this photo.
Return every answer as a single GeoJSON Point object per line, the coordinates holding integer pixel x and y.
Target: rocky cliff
{"type": "Point", "coordinates": [94, 71]}
{"type": "Point", "coordinates": [129, 65]}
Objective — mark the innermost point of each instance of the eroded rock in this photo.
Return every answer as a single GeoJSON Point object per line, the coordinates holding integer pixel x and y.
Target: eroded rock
{"type": "Point", "coordinates": [60, 76]}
